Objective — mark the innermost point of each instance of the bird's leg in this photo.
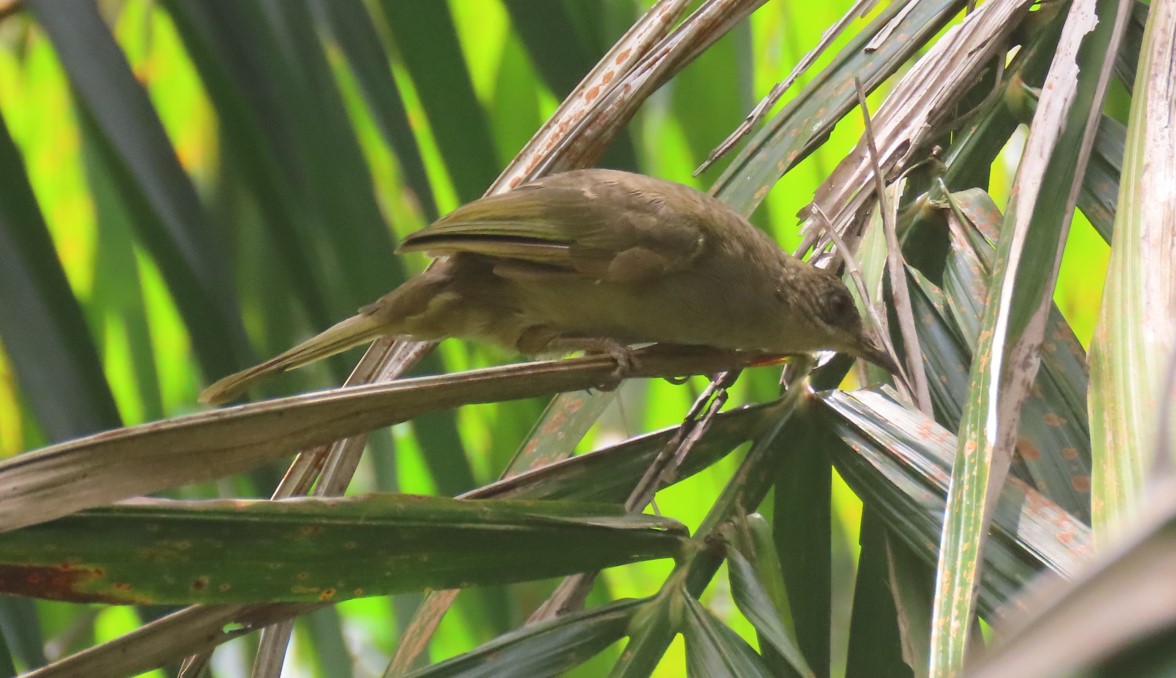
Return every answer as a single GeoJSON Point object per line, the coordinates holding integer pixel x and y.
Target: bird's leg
{"type": "Point", "coordinates": [626, 360]}
{"type": "Point", "coordinates": [539, 340]}
{"type": "Point", "coordinates": [678, 350]}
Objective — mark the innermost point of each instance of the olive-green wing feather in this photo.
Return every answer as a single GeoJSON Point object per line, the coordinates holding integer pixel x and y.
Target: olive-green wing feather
{"type": "Point", "coordinates": [576, 223]}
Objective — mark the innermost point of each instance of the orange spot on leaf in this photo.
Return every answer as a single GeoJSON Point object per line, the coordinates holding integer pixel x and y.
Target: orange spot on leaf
{"type": "Point", "coordinates": [1029, 451]}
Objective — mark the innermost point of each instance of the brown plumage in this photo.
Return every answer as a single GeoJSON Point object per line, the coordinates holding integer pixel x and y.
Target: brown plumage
{"type": "Point", "coordinates": [597, 260]}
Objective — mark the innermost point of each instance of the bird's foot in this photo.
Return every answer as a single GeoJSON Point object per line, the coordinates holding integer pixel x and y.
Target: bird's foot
{"type": "Point", "coordinates": [540, 340]}
{"type": "Point", "coordinates": [625, 357]}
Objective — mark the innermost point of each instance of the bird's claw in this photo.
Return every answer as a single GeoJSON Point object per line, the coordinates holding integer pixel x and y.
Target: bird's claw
{"type": "Point", "coordinates": [627, 364]}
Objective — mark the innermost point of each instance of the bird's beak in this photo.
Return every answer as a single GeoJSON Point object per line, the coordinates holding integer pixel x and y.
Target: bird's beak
{"type": "Point", "coordinates": [871, 349]}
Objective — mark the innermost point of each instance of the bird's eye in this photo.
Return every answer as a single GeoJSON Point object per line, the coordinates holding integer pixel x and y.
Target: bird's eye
{"type": "Point", "coordinates": [839, 308]}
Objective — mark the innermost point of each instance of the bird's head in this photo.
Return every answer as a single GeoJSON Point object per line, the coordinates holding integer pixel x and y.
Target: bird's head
{"type": "Point", "coordinates": [835, 318]}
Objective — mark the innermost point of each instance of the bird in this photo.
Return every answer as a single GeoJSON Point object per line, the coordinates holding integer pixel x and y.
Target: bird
{"type": "Point", "coordinates": [598, 260]}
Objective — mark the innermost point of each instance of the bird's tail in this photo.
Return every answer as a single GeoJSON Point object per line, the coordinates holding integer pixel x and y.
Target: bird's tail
{"type": "Point", "coordinates": [338, 338]}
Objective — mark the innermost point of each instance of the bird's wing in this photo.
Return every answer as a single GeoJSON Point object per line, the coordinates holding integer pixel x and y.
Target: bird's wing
{"type": "Point", "coordinates": [576, 223]}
